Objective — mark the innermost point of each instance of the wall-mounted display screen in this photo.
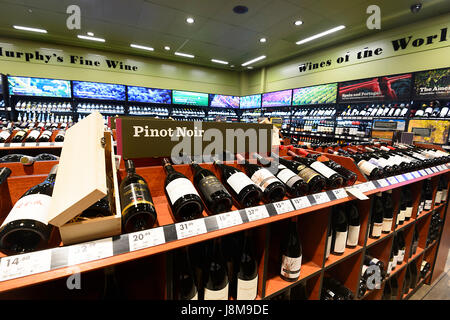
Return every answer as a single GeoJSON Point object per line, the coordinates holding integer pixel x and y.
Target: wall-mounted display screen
{"type": "Point", "coordinates": [96, 90]}
{"type": "Point", "coordinates": [26, 86]}
{"type": "Point", "coordinates": [432, 84]}
{"type": "Point", "coordinates": [1, 85]}
{"type": "Point", "coordinates": [253, 101]}
{"type": "Point", "coordinates": [149, 95]}
{"type": "Point", "coordinates": [277, 99]}
{"type": "Point", "coordinates": [325, 93]}
{"type": "Point", "coordinates": [221, 101]}
{"type": "Point", "coordinates": [190, 98]}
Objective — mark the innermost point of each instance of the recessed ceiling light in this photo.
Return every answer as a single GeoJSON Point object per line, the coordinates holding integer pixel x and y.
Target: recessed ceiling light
{"type": "Point", "coordinates": [90, 38]}
{"type": "Point", "coordinates": [91, 34]}
{"type": "Point", "coordinates": [137, 46]}
{"type": "Point", "coordinates": [322, 34]}
{"type": "Point", "coordinates": [184, 54]}
{"type": "Point", "coordinates": [232, 66]}
{"type": "Point", "coordinates": [249, 67]}
{"type": "Point", "coordinates": [253, 60]}
{"type": "Point", "coordinates": [298, 22]}
{"type": "Point", "coordinates": [262, 40]}
{"type": "Point", "coordinates": [167, 48]}
{"type": "Point", "coordinates": [190, 20]}
{"type": "Point", "coordinates": [219, 61]}
{"type": "Point", "coordinates": [30, 29]}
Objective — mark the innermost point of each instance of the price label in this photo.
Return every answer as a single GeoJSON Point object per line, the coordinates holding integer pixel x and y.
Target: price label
{"type": "Point", "coordinates": [44, 144]}
{"type": "Point", "coordinates": [434, 169]}
{"type": "Point", "coordinates": [90, 251]}
{"type": "Point", "coordinates": [145, 239]}
{"type": "Point", "coordinates": [416, 174]}
{"type": "Point", "coordinates": [190, 228]}
{"type": "Point", "coordinates": [2, 145]}
{"type": "Point", "coordinates": [15, 144]}
{"type": "Point", "coordinates": [400, 178]}
{"type": "Point", "coordinates": [409, 176]}
{"type": "Point", "coordinates": [367, 186]}
{"type": "Point", "coordinates": [340, 193]}
{"type": "Point", "coordinates": [301, 203]}
{"type": "Point", "coordinates": [321, 197]}
{"type": "Point", "coordinates": [25, 264]}
{"type": "Point", "coordinates": [383, 183]}
{"type": "Point", "coordinates": [428, 171]}
{"type": "Point", "coordinates": [392, 180]}
{"type": "Point", "coordinates": [441, 167]}
{"type": "Point", "coordinates": [283, 206]}
{"type": "Point", "coordinates": [228, 219]}
{"type": "Point", "coordinates": [256, 213]}
{"type": "Point", "coordinates": [422, 172]}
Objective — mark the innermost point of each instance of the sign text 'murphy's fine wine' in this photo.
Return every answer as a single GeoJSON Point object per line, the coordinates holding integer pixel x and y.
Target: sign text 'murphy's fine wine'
{"type": "Point", "coordinates": [142, 138]}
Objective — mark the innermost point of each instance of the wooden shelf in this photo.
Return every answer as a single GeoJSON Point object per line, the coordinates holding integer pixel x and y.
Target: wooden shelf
{"type": "Point", "coordinates": [371, 241]}
{"type": "Point", "coordinates": [334, 258]}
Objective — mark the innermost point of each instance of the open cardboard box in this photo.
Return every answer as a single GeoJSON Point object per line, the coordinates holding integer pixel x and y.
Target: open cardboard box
{"type": "Point", "coordinates": [87, 162]}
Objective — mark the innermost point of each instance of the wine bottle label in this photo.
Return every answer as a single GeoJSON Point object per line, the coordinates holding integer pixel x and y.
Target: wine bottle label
{"type": "Point", "coordinates": [408, 212]}
{"type": "Point", "coordinates": [438, 198]}
{"type": "Point", "coordinates": [221, 294]}
{"type": "Point", "coordinates": [33, 207]}
{"type": "Point", "coordinates": [133, 194]}
{"type": "Point", "coordinates": [246, 289]}
{"type": "Point", "coordinates": [306, 173]}
{"type": "Point", "coordinates": [328, 246]}
{"type": "Point", "coordinates": [47, 133]}
{"type": "Point", "coordinates": [179, 188]}
{"type": "Point", "coordinates": [290, 267]}
{"type": "Point", "coordinates": [444, 195]}
{"type": "Point", "coordinates": [375, 162]}
{"type": "Point", "coordinates": [34, 134]}
{"type": "Point", "coordinates": [427, 205]}
{"type": "Point", "coordinates": [322, 169]}
{"type": "Point", "coordinates": [4, 134]}
{"type": "Point", "coordinates": [366, 167]}
{"type": "Point", "coordinates": [288, 177]}
{"type": "Point", "coordinates": [390, 267]}
{"type": "Point", "coordinates": [239, 181]}
{"type": "Point", "coordinates": [394, 260]}
{"type": "Point", "coordinates": [20, 133]}
{"type": "Point", "coordinates": [263, 178]}
{"type": "Point", "coordinates": [210, 185]}
{"type": "Point", "coordinates": [340, 241]}
{"type": "Point", "coordinates": [401, 215]}
{"type": "Point", "coordinates": [195, 297]}
{"type": "Point", "coordinates": [387, 224]}
{"type": "Point", "coordinates": [376, 229]}
{"type": "Point", "coordinates": [364, 268]}
{"type": "Point", "coordinates": [374, 261]}
{"type": "Point", "coordinates": [353, 235]}
{"type": "Point", "coordinates": [401, 255]}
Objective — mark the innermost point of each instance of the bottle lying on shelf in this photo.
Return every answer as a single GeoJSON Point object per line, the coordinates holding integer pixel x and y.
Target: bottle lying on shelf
{"type": "Point", "coordinates": [435, 228]}
{"type": "Point", "coordinates": [4, 174]}
{"type": "Point", "coordinates": [424, 269]}
{"type": "Point", "coordinates": [29, 160]}
{"type": "Point", "coordinates": [332, 289]}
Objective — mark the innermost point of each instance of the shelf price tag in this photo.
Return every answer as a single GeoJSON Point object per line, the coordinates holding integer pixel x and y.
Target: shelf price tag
{"type": "Point", "coordinates": [425, 172]}
{"type": "Point", "coordinates": [392, 180]}
{"type": "Point", "coordinates": [409, 176]}
{"type": "Point", "coordinates": [256, 213]}
{"type": "Point", "coordinates": [364, 187]}
{"type": "Point", "coordinates": [400, 178]}
{"type": "Point", "coordinates": [146, 238]}
{"type": "Point", "coordinates": [25, 264]}
{"type": "Point", "coordinates": [228, 219]}
{"type": "Point", "coordinates": [321, 197]}
{"type": "Point", "coordinates": [190, 228]}
{"type": "Point", "coordinates": [283, 206]}
{"type": "Point", "coordinates": [441, 167]}
{"type": "Point", "coordinates": [301, 203]}
{"type": "Point", "coordinates": [422, 172]}
{"type": "Point", "coordinates": [416, 174]}
{"type": "Point", "coordinates": [340, 193]}
{"type": "Point", "coordinates": [90, 251]}
{"type": "Point", "coordinates": [434, 169]}
{"type": "Point", "coordinates": [383, 183]}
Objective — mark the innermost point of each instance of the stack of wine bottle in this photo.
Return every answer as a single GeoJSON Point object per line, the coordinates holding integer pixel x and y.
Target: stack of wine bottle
{"type": "Point", "coordinates": [397, 256]}
{"type": "Point", "coordinates": [382, 214]}
{"type": "Point", "coordinates": [426, 197]}
{"type": "Point", "coordinates": [435, 227]}
{"type": "Point", "coordinates": [27, 159]}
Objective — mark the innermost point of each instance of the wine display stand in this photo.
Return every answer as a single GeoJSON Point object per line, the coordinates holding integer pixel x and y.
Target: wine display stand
{"type": "Point", "coordinates": [145, 268]}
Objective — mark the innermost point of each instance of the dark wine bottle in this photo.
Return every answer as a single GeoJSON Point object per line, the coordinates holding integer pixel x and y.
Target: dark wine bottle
{"type": "Point", "coordinates": [185, 287]}
{"type": "Point", "coordinates": [349, 176]}
{"type": "Point", "coordinates": [387, 291]}
{"type": "Point", "coordinates": [354, 224]}
{"type": "Point", "coordinates": [428, 194]}
{"type": "Point", "coordinates": [388, 212]}
{"type": "Point", "coordinates": [414, 274]}
{"type": "Point", "coordinates": [291, 253]}
{"type": "Point", "coordinates": [407, 280]}
{"type": "Point", "coordinates": [138, 210]}
{"type": "Point", "coordinates": [19, 136]}
{"type": "Point", "coordinates": [371, 261]}
{"type": "Point", "coordinates": [111, 289]}
{"type": "Point", "coordinates": [394, 288]}
{"type": "Point", "coordinates": [4, 135]}
{"type": "Point", "coordinates": [376, 224]}
{"type": "Point", "coordinates": [214, 195]}
{"type": "Point", "coordinates": [401, 247]}
{"type": "Point", "coordinates": [247, 276]}
{"type": "Point", "coordinates": [5, 172]}
{"type": "Point", "coordinates": [401, 215]}
{"type": "Point", "coordinates": [216, 274]}
{"type": "Point", "coordinates": [33, 135]}
{"type": "Point", "coordinates": [184, 199]}
{"type": "Point", "coordinates": [26, 227]}
{"type": "Point", "coordinates": [60, 136]}
{"type": "Point", "coordinates": [415, 242]}
{"type": "Point", "coordinates": [340, 230]}
{"type": "Point", "coordinates": [329, 239]}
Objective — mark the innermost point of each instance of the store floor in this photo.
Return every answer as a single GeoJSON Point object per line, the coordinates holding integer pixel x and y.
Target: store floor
{"type": "Point", "coordinates": [439, 290]}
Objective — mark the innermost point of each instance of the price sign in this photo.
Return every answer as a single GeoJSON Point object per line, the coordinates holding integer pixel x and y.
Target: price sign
{"type": "Point", "coordinates": [15, 144]}
{"type": "Point", "coordinates": [25, 264]}
{"type": "Point", "coordinates": [434, 169]}
{"type": "Point", "coordinates": [400, 178]}
{"type": "Point", "coordinates": [429, 171]}
{"type": "Point", "coordinates": [340, 193]}
{"type": "Point", "coordinates": [409, 176]}
{"type": "Point", "coordinates": [190, 228]}
{"type": "Point", "coordinates": [147, 238]}
{"type": "Point", "coordinates": [301, 203]}
{"type": "Point", "coordinates": [90, 251]}
{"type": "Point", "coordinates": [283, 206]}
{"type": "Point", "coordinates": [416, 174]}
{"type": "Point", "coordinates": [367, 186]}
{"type": "Point", "coordinates": [423, 173]}
{"type": "Point", "coordinates": [392, 180]}
{"type": "Point", "coordinates": [321, 197]}
{"type": "Point", "coordinates": [383, 183]}
{"type": "Point", "coordinates": [256, 213]}
{"type": "Point", "coordinates": [43, 144]}
{"type": "Point", "coordinates": [228, 219]}
{"type": "Point", "coordinates": [441, 167]}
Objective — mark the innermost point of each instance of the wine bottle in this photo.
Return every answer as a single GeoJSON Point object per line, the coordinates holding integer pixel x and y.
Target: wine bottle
{"type": "Point", "coordinates": [428, 194]}
{"type": "Point", "coordinates": [60, 136]}
{"type": "Point", "coordinates": [111, 289]}
{"type": "Point", "coordinates": [394, 287]}
{"type": "Point", "coordinates": [362, 288]}
{"type": "Point", "coordinates": [243, 189]}
{"type": "Point", "coordinates": [395, 249]}
{"type": "Point", "coordinates": [401, 215]}
{"type": "Point", "coordinates": [401, 247]}
{"type": "Point", "coordinates": [214, 195]}
{"type": "Point", "coordinates": [407, 280]}
{"type": "Point", "coordinates": [371, 261]}
{"type": "Point", "coordinates": [414, 275]}
{"type": "Point", "coordinates": [376, 225]}
{"type": "Point", "coordinates": [388, 212]}
{"type": "Point", "coordinates": [26, 227]}
{"type": "Point", "coordinates": [329, 239]}
{"type": "Point", "coordinates": [216, 274]}
{"type": "Point", "coordinates": [4, 135]}
{"type": "Point", "coordinates": [424, 268]}
{"type": "Point", "coordinates": [33, 135]}
{"type": "Point", "coordinates": [45, 136]}
{"type": "Point", "coordinates": [184, 199]}
{"type": "Point", "coordinates": [185, 287]}
{"type": "Point", "coordinates": [340, 230]}
{"type": "Point", "coordinates": [444, 188]}
{"type": "Point", "coordinates": [291, 253]}
{"type": "Point", "coordinates": [247, 276]}
{"type": "Point", "coordinates": [19, 136]}
{"type": "Point", "coordinates": [138, 210]}
{"type": "Point", "coordinates": [387, 291]}
{"type": "Point", "coordinates": [390, 266]}
{"type": "Point", "coordinates": [5, 172]}
{"type": "Point", "coordinates": [273, 189]}
{"type": "Point", "coordinates": [415, 242]}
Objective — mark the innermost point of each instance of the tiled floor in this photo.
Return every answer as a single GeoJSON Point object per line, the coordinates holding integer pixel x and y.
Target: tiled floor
{"type": "Point", "coordinates": [439, 290]}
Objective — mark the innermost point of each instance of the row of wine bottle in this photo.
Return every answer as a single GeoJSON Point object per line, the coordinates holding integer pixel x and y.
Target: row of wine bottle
{"type": "Point", "coordinates": [26, 159]}
{"type": "Point", "coordinates": [435, 228]}
{"type": "Point", "coordinates": [30, 135]}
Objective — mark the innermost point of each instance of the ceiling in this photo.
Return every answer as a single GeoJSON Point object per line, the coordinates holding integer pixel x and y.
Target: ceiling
{"type": "Point", "coordinates": [217, 33]}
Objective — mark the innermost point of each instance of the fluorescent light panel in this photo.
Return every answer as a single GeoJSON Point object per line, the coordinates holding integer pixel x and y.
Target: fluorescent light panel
{"type": "Point", "coordinates": [254, 60]}
{"type": "Point", "coordinates": [30, 29]}
{"type": "Point", "coordinates": [90, 38]}
{"type": "Point", "coordinates": [184, 54]}
{"type": "Point", "coordinates": [137, 46]}
{"type": "Point", "coordinates": [219, 61]}
{"type": "Point", "coordinates": [322, 34]}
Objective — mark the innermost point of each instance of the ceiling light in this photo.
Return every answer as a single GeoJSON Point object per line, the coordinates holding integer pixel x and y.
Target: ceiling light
{"type": "Point", "coordinates": [250, 68]}
{"type": "Point", "coordinates": [90, 38]}
{"type": "Point", "coordinates": [298, 22]}
{"type": "Point", "coordinates": [141, 47]}
{"type": "Point", "coordinates": [321, 34]}
{"type": "Point", "coordinates": [30, 29]}
{"type": "Point", "coordinates": [190, 20]}
{"type": "Point", "coordinates": [253, 60]}
{"type": "Point", "coordinates": [91, 34]}
{"type": "Point", "coordinates": [184, 54]}
{"type": "Point", "coordinates": [262, 40]}
{"type": "Point", "coordinates": [167, 48]}
{"type": "Point", "coordinates": [219, 61]}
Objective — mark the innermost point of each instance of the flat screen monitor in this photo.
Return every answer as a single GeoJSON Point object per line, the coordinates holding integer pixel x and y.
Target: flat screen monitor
{"type": "Point", "coordinates": [97, 90]}
{"type": "Point", "coordinates": [320, 94]}
{"type": "Point", "coordinates": [252, 101]}
{"type": "Point", "coordinates": [149, 95]}
{"type": "Point", "coordinates": [221, 101]}
{"type": "Point", "coordinates": [277, 98]}
{"type": "Point", "coordinates": [40, 87]}
{"type": "Point", "coordinates": [190, 98]}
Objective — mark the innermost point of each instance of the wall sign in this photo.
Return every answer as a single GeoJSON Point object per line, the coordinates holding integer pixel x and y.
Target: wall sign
{"type": "Point", "coordinates": [432, 84]}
